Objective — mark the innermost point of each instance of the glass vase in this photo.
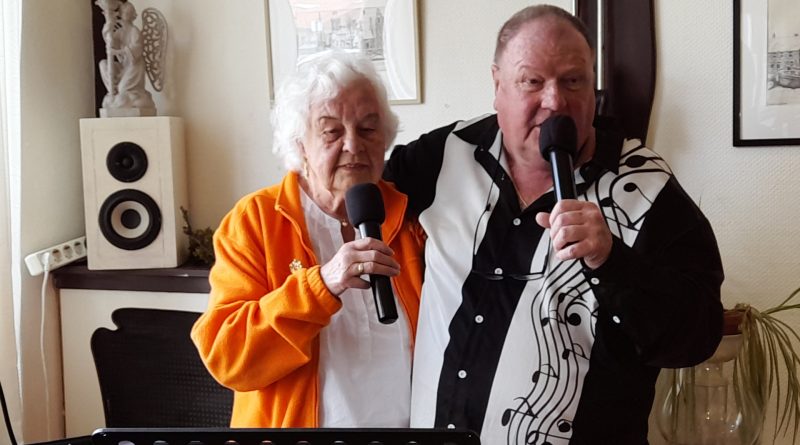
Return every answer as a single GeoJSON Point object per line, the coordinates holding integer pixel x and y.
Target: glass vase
{"type": "Point", "coordinates": [697, 406]}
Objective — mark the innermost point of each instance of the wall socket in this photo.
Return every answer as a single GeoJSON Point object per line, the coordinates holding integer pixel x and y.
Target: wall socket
{"type": "Point", "coordinates": [60, 255]}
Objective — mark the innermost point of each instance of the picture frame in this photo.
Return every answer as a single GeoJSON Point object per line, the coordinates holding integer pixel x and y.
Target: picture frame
{"type": "Point", "coordinates": [385, 30]}
{"type": "Point", "coordinates": [766, 73]}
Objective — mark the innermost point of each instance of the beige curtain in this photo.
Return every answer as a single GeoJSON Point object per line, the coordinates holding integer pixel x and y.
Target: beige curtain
{"type": "Point", "coordinates": [9, 157]}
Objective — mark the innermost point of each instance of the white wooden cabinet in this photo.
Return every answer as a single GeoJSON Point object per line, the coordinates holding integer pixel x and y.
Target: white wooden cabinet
{"type": "Point", "coordinates": [82, 312]}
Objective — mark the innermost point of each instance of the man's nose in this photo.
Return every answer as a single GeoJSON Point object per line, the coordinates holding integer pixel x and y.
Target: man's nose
{"type": "Point", "coordinates": [553, 97]}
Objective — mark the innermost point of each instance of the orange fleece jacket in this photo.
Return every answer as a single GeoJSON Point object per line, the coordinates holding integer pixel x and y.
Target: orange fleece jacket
{"type": "Point", "coordinates": [260, 333]}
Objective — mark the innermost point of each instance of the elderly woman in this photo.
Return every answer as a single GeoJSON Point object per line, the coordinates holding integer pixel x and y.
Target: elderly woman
{"type": "Point", "coordinates": [291, 325]}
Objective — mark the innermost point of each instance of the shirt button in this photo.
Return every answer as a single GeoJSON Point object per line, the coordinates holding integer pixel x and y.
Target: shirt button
{"type": "Point", "coordinates": [516, 221]}
{"type": "Point", "coordinates": [462, 374]}
{"type": "Point", "coordinates": [616, 319]}
{"type": "Point", "coordinates": [479, 319]}
{"type": "Point", "coordinates": [498, 271]}
{"type": "Point", "coordinates": [595, 281]}
{"type": "Point", "coordinates": [451, 426]}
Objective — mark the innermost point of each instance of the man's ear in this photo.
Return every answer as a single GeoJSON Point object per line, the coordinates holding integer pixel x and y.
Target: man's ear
{"type": "Point", "coordinates": [496, 82]}
{"type": "Point", "coordinates": [495, 76]}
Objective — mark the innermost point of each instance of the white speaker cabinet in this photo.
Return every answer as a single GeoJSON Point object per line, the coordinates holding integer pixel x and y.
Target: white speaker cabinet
{"type": "Point", "coordinates": [134, 184]}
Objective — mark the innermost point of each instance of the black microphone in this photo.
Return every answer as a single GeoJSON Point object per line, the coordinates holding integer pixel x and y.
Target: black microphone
{"type": "Point", "coordinates": [365, 209]}
{"type": "Point", "coordinates": [558, 140]}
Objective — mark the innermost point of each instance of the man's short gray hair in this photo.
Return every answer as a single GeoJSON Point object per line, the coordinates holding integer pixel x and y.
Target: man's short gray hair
{"type": "Point", "coordinates": [526, 15]}
{"type": "Point", "coordinates": [321, 78]}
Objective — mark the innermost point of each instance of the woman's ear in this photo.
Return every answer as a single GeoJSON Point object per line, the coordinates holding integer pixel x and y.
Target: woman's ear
{"type": "Point", "coordinates": [302, 149]}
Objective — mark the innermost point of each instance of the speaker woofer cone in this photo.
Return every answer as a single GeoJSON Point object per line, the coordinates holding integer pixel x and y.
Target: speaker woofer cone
{"type": "Point", "coordinates": [127, 162]}
{"type": "Point", "coordinates": [130, 219]}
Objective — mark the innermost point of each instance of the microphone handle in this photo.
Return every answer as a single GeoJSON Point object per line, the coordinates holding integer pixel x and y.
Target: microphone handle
{"type": "Point", "coordinates": [384, 298]}
{"type": "Point", "coordinates": [381, 286]}
{"type": "Point", "coordinates": [563, 175]}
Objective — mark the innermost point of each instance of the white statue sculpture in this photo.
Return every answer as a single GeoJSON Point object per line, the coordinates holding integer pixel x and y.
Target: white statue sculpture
{"type": "Point", "coordinates": [131, 55]}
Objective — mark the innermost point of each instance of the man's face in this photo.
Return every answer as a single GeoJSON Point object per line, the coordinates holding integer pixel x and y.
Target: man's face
{"type": "Point", "coordinates": [546, 69]}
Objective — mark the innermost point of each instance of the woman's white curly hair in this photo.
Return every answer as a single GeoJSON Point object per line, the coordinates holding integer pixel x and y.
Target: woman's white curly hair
{"type": "Point", "coordinates": [320, 78]}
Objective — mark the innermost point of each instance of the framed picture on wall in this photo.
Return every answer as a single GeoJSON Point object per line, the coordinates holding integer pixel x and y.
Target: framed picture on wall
{"type": "Point", "coordinates": [766, 72]}
{"type": "Point", "coordinates": [385, 30]}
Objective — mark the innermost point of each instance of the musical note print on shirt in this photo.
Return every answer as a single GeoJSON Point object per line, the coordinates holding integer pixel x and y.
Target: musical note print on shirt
{"type": "Point", "coordinates": [626, 197]}
{"type": "Point", "coordinates": [564, 310]}
{"type": "Point", "coordinates": [562, 317]}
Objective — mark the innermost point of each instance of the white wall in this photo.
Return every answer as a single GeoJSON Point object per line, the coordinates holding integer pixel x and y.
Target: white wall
{"type": "Point", "coordinates": [217, 81]}
{"type": "Point", "coordinates": [55, 92]}
{"type": "Point", "coordinates": [221, 87]}
{"type": "Point", "coordinates": [748, 194]}
{"type": "Point", "coordinates": [218, 84]}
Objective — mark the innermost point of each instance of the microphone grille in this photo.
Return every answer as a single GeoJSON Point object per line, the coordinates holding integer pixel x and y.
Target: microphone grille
{"type": "Point", "coordinates": [364, 203]}
{"type": "Point", "coordinates": [558, 133]}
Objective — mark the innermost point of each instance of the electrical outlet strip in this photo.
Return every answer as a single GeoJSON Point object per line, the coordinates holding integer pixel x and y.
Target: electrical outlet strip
{"type": "Point", "coordinates": [60, 255]}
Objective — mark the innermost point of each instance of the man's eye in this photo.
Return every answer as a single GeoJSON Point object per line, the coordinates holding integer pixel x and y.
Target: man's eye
{"type": "Point", "coordinates": [531, 84]}
{"type": "Point", "coordinates": [574, 82]}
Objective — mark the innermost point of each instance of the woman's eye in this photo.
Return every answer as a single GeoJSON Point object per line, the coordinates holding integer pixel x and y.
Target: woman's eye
{"type": "Point", "coordinates": [330, 134]}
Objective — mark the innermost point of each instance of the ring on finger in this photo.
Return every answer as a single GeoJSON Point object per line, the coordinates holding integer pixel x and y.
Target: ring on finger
{"type": "Point", "coordinates": [360, 268]}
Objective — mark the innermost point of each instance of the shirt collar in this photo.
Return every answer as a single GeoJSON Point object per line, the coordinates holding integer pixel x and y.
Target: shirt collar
{"type": "Point", "coordinates": [606, 155]}
{"type": "Point", "coordinates": [609, 148]}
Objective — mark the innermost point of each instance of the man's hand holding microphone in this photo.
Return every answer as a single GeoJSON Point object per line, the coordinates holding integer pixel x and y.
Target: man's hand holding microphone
{"type": "Point", "coordinates": [577, 228]}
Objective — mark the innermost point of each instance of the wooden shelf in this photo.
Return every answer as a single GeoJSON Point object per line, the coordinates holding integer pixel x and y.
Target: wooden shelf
{"type": "Point", "coordinates": [187, 278]}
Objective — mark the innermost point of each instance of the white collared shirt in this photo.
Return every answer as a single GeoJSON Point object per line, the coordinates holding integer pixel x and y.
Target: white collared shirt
{"type": "Point", "coordinates": [364, 365]}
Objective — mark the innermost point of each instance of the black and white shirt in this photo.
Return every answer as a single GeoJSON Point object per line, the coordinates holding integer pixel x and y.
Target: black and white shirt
{"type": "Point", "coordinates": [526, 349]}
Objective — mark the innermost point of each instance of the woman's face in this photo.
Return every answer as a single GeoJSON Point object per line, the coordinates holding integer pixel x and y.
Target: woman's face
{"type": "Point", "coordinates": [345, 142]}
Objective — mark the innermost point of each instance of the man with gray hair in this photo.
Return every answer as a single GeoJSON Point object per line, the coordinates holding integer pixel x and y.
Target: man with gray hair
{"type": "Point", "coordinates": [545, 322]}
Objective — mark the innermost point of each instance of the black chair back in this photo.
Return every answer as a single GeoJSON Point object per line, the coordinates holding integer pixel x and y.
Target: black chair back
{"type": "Point", "coordinates": [151, 375]}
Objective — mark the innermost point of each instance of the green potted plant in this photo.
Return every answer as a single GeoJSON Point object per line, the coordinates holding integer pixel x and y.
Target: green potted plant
{"type": "Point", "coordinates": [725, 399]}
{"type": "Point", "coordinates": [201, 242]}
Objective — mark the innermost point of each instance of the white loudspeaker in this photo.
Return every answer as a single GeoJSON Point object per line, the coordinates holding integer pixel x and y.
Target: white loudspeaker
{"type": "Point", "coordinates": [134, 184]}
